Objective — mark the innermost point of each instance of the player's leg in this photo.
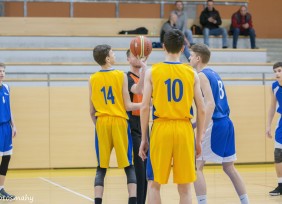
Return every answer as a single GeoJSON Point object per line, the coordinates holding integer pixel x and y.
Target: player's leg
{"type": "Point", "coordinates": [185, 193]}
{"type": "Point", "coordinates": [200, 184]}
{"type": "Point", "coordinates": [5, 151]}
{"type": "Point", "coordinates": [154, 196]}
{"type": "Point", "coordinates": [131, 184]}
{"type": "Point", "coordinates": [140, 169]}
{"type": "Point", "coordinates": [237, 181]}
{"type": "Point", "coordinates": [278, 167]}
{"type": "Point", "coordinates": [103, 147]}
{"type": "Point", "coordinates": [206, 33]}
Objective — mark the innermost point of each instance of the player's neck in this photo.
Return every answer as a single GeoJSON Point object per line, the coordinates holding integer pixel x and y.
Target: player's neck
{"type": "Point", "coordinates": [135, 70]}
{"type": "Point", "coordinates": [106, 66]}
{"type": "Point", "coordinates": [172, 58]}
{"type": "Point", "coordinates": [201, 66]}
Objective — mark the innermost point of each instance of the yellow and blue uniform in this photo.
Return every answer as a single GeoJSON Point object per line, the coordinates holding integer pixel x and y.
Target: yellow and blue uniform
{"type": "Point", "coordinates": [112, 128]}
{"type": "Point", "coordinates": [172, 137]}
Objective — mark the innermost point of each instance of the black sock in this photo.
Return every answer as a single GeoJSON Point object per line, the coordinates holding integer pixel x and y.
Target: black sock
{"type": "Point", "coordinates": [98, 200]}
{"type": "Point", "coordinates": [132, 200]}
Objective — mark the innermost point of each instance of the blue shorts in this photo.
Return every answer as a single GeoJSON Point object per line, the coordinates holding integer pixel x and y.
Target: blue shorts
{"type": "Point", "coordinates": [6, 146]}
{"type": "Point", "coordinates": [278, 134]}
{"type": "Point", "coordinates": [219, 142]}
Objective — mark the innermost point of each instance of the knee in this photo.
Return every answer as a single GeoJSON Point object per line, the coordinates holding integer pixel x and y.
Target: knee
{"type": "Point", "coordinates": [252, 32]}
{"type": "Point", "coordinates": [188, 32]}
{"type": "Point", "coordinates": [236, 31]}
{"type": "Point", "coordinates": [224, 32]}
{"type": "Point", "coordinates": [206, 31]}
{"type": "Point", "coordinates": [154, 186]}
{"type": "Point", "coordinates": [278, 155]}
{"type": "Point", "coordinates": [100, 176]}
{"type": "Point", "coordinates": [183, 189]}
{"type": "Point", "coordinates": [228, 168]}
{"type": "Point", "coordinates": [130, 174]}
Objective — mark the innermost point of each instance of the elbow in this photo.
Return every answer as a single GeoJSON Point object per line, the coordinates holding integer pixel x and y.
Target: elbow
{"type": "Point", "coordinates": [144, 108]}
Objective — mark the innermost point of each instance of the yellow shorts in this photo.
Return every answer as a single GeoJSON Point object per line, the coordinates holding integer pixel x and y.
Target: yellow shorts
{"type": "Point", "coordinates": [113, 132]}
{"type": "Point", "coordinates": [172, 142]}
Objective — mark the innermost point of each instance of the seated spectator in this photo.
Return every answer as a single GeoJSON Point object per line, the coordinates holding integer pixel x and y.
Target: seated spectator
{"type": "Point", "coordinates": [182, 22]}
{"type": "Point", "coordinates": [242, 25]}
{"type": "Point", "coordinates": [211, 20]}
{"type": "Point", "coordinates": [171, 24]}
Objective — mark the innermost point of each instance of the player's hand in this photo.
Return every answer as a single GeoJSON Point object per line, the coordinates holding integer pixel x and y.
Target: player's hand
{"type": "Point", "coordinates": [14, 131]}
{"type": "Point", "coordinates": [198, 149]}
{"type": "Point", "coordinates": [144, 146]}
{"type": "Point", "coordinates": [268, 133]}
{"type": "Point", "coordinates": [211, 19]}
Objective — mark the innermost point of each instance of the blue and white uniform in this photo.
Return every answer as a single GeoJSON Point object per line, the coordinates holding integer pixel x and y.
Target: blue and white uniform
{"type": "Point", "coordinates": [277, 91]}
{"type": "Point", "coordinates": [219, 141]}
{"type": "Point", "coordinates": [5, 121]}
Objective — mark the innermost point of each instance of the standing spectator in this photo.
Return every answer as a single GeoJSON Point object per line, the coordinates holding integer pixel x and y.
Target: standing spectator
{"type": "Point", "coordinates": [242, 24]}
{"type": "Point", "coordinates": [169, 25]}
{"type": "Point", "coordinates": [211, 20]}
{"type": "Point", "coordinates": [182, 22]}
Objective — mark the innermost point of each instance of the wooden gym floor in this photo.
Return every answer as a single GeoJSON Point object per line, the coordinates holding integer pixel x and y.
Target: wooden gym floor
{"type": "Point", "coordinates": [75, 186]}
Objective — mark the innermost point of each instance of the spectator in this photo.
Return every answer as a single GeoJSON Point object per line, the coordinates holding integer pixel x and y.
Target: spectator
{"type": "Point", "coordinates": [182, 22]}
{"type": "Point", "coordinates": [211, 20]}
{"type": "Point", "coordinates": [242, 24]}
{"type": "Point", "coordinates": [169, 25]}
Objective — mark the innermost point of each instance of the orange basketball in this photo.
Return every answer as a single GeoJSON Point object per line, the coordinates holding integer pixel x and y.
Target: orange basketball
{"type": "Point", "coordinates": [141, 47]}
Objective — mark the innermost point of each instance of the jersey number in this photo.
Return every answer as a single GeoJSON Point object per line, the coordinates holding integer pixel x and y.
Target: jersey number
{"type": "Point", "coordinates": [221, 91]}
{"type": "Point", "coordinates": [108, 95]}
{"type": "Point", "coordinates": [171, 89]}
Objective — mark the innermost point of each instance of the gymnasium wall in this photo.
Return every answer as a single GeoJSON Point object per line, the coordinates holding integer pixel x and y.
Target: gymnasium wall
{"type": "Point", "coordinates": [55, 129]}
{"type": "Point", "coordinates": [266, 14]}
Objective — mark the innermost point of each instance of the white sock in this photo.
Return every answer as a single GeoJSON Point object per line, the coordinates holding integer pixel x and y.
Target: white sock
{"type": "Point", "coordinates": [202, 199]}
{"type": "Point", "coordinates": [244, 199]}
{"type": "Point", "coordinates": [280, 180]}
{"type": "Point", "coordinates": [1, 187]}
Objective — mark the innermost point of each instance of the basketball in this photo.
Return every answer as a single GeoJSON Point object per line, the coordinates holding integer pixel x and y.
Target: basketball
{"type": "Point", "coordinates": [141, 47]}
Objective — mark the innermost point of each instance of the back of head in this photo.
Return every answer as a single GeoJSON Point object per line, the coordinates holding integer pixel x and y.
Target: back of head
{"type": "Point", "coordinates": [100, 52]}
{"type": "Point", "coordinates": [173, 41]}
{"type": "Point", "coordinates": [277, 64]}
{"type": "Point", "coordinates": [202, 51]}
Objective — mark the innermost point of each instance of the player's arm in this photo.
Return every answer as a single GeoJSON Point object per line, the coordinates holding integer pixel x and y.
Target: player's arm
{"type": "Point", "coordinates": [138, 88]}
{"type": "Point", "coordinates": [145, 114]}
{"type": "Point", "coordinates": [208, 98]}
{"type": "Point", "coordinates": [129, 106]}
{"type": "Point", "coordinates": [271, 112]}
{"type": "Point", "coordinates": [92, 109]}
{"type": "Point", "coordinates": [200, 119]}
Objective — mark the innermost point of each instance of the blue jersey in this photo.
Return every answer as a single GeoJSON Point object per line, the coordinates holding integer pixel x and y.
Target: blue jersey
{"type": "Point", "coordinates": [5, 111]}
{"type": "Point", "coordinates": [218, 91]}
{"type": "Point", "coordinates": [277, 91]}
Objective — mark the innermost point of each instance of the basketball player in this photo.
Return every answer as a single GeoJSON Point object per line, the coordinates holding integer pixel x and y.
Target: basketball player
{"type": "Point", "coordinates": [173, 87]}
{"type": "Point", "coordinates": [109, 100]}
{"type": "Point", "coordinates": [135, 86]}
{"type": "Point", "coordinates": [218, 144]}
{"type": "Point", "coordinates": [276, 98]}
{"type": "Point", "coordinates": [7, 132]}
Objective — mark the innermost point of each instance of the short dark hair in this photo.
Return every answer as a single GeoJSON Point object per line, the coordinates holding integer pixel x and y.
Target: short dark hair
{"type": "Point", "coordinates": [100, 52]}
{"type": "Point", "coordinates": [203, 51]}
{"type": "Point", "coordinates": [128, 52]}
{"type": "Point", "coordinates": [178, 2]}
{"type": "Point", "coordinates": [209, 1]}
{"type": "Point", "coordinates": [173, 40]}
{"type": "Point", "coordinates": [2, 65]}
{"type": "Point", "coordinates": [277, 64]}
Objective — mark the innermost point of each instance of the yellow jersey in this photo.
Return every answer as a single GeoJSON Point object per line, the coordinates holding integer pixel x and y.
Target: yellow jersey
{"type": "Point", "coordinates": [173, 90]}
{"type": "Point", "coordinates": [107, 96]}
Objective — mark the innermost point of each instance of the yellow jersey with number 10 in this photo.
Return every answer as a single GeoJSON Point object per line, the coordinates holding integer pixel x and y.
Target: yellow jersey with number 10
{"type": "Point", "coordinates": [107, 96]}
{"type": "Point", "coordinates": [173, 90]}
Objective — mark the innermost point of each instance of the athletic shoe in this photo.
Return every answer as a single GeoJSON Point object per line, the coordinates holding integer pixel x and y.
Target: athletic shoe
{"type": "Point", "coordinates": [5, 196]}
{"type": "Point", "coordinates": [276, 192]}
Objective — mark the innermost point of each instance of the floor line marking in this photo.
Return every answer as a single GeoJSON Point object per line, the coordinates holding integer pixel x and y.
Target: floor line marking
{"type": "Point", "coordinates": [66, 189]}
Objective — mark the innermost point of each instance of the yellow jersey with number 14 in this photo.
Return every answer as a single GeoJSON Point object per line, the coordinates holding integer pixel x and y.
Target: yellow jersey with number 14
{"type": "Point", "coordinates": [107, 96]}
{"type": "Point", "coordinates": [173, 90]}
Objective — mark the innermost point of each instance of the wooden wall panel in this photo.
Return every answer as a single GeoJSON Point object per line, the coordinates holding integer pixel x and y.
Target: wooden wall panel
{"type": "Point", "coordinates": [30, 107]}
{"type": "Point", "coordinates": [248, 115]}
{"type": "Point", "coordinates": [95, 10]}
{"type": "Point", "coordinates": [48, 9]}
{"type": "Point", "coordinates": [14, 9]}
{"type": "Point", "coordinates": [71, 128]}
{"type": "Point", "coordinates": [139, 11]}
